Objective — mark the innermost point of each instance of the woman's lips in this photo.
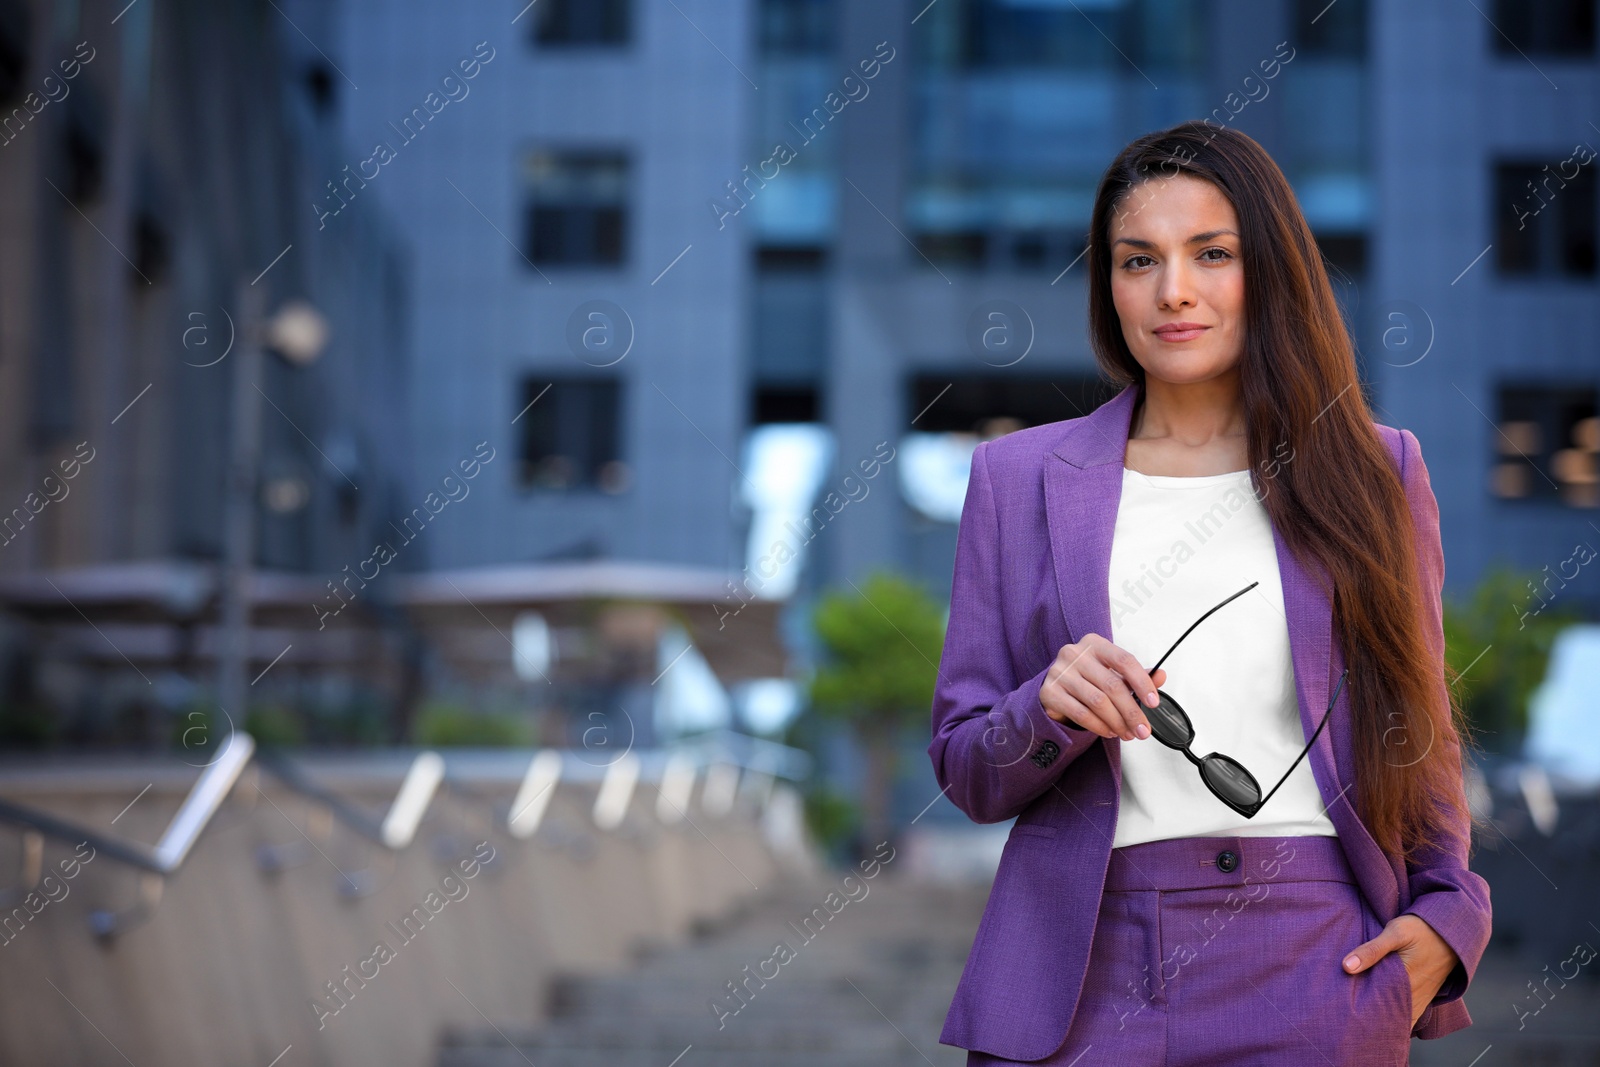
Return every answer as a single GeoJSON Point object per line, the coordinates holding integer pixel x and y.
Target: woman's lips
{"type": "Point", "coordinates": [1176, 335]}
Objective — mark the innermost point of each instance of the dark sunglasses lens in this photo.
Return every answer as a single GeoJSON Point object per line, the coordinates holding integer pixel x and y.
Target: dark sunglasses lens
{"type": "Point", "coordinates": [1230, 780]}
{"type": "Point", "coordinates": [1168, 722]}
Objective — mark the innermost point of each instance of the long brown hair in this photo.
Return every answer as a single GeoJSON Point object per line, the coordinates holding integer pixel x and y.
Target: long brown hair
{"type": "Point", "coordinates": [1311, 441]}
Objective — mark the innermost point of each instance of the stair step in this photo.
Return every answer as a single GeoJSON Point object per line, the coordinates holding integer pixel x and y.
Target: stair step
{"type": "Point", "coordinates": [893, 954]}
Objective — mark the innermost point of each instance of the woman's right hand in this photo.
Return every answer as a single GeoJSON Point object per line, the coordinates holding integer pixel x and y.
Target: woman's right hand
{"type": "Point", "coordinates": [1091, 686]}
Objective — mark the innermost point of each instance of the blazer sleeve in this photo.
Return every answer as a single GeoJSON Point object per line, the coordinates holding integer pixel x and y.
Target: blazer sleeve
{"type": "Point", "coordinates": [994, 749]}
{"type": "Point", "coordinates": [1444, 893]}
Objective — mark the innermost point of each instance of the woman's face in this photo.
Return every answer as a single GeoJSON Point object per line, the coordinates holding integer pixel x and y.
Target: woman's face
{"type": "Point", "coordinates": [1175, 260]}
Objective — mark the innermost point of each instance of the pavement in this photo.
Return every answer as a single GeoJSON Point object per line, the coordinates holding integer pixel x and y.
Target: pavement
{"type": "Point", "coordinates": [870, 985]}
{"type": "Point", "coordinates": [867, 986]}
{"type": "Point", "coordinates": [1514, 1027]}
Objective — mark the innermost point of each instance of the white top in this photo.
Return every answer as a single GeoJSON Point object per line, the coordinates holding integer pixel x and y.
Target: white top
{"type": "Point", "coordinates": [1182, 546]}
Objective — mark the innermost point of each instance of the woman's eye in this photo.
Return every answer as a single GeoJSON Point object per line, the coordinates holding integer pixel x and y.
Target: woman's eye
{"type": "Point", "coordinates": [1134, 261]}
{"type": "Point", "coordinates": [1224, 253]}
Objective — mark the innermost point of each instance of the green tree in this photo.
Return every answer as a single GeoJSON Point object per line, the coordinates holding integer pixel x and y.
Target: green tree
{"type": "Point", "coordinates": [445, 724]}
{"type": "Point", "coordinates": [1501, 638]}
{"type": "Point", "coordinates": [882, 642]}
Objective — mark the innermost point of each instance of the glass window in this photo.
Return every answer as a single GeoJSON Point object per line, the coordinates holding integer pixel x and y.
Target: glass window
{"type": "Point", "coordinates": [1547, 444]}
{"type": "Point", "coordinates": [951, 414]}
{"type": "Point", "coordinates": [1019, 105]}
{"type": "Point", "coordinates": [1044, 33]}
{"type": "Point", "coordinates": [796, 40]}
{"type": "Point", "coordinates": [1106, 34]}
{"type": "Point", "coordinates": [571, 434]}
{"type": "Point", "coordinates": [988, 405]}
{"type": "Point", "coordinates": [582, 22]}
{"type": "Point", "coordinates": [1544, 217]}
{"type": "Point", "coordinates": [576, 210]}
{"type": "Point", "coordinates": [14, 39]}
{"type": "Point", "coordinates": [785, 403]}
{"type": "Point", "coordinates": [796, 26]}
{"type": "Point", "coordinates": [1331, 29]}
{"type": "Point", "coordinates": [1543, 28]}
{"type": "Point", "coordinates": [1345, 252]}
{"type": "Point", "coordinates": [789, 316]}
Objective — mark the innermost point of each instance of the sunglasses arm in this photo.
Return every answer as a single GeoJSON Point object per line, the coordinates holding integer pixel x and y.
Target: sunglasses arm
{"type": "Point", "coordinates": [1314, 733]}
{"type": "Point", "coordinates": [1197, 622]}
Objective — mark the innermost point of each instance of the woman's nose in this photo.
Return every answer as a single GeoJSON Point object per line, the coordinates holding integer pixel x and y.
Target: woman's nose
{"type": "Point", "coordinates": [1176, 290]}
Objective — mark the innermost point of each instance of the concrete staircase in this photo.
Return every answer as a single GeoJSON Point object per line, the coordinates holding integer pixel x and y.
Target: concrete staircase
{"type": "Point", "coordinates": [1510, 1028]}
{"type": "Point", "coordinates": [870, 986]}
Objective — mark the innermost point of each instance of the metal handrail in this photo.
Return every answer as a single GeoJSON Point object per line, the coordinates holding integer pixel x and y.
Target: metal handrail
{"type": "Point", "coordinates": [292, 777]}
{"type": "Point", "coordinates": [131, 853]}
{"type": "Point", "coordinates": [546, 768]}
{"type": "Point", "coordinates": [724, 757]}
{"type": "Point", "coordinates": [32, 869]}
{"type": "Point", "coordinates": [205, 797]}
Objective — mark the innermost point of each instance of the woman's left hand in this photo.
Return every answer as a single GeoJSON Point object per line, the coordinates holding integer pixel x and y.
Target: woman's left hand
{"type": "Point", "coordinates": [1428, 960]}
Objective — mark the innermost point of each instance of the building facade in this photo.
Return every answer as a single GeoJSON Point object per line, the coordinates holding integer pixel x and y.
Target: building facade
{"type": "Point", "coordinates": [641, 233]}
{"type": "Point", "coordinates": [154, 158]}
{"type": "Point", "coordinates": [574, 302]}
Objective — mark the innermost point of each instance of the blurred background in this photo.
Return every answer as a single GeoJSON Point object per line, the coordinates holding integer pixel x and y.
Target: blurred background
{"type": "Point", "coordinates": [479, 486]}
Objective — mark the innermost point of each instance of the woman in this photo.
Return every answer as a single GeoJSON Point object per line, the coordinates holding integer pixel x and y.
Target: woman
{"type": "Point", "coordinates": [1261, 857]}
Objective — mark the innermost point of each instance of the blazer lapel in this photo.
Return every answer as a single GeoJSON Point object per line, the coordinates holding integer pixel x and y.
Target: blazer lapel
{"type": "Point", "coordinates": [1310, 617]}
{"type": "Point", "coordinates": [1083, 488]}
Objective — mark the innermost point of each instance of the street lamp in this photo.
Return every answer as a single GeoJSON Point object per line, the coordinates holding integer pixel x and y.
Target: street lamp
{"type": "Point", "coordinates": [299, 333]}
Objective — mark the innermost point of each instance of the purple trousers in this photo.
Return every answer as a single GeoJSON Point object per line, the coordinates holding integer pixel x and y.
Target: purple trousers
{"type": "Point", "coordinates": [1227, 951]}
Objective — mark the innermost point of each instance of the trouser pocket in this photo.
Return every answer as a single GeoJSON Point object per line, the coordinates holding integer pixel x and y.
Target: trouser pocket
{"type": "Point", "coordinates": [1381, 994]}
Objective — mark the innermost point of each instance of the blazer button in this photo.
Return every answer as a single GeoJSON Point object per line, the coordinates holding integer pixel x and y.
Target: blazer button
{"type": "Point", "coordinates": [1227, 860]}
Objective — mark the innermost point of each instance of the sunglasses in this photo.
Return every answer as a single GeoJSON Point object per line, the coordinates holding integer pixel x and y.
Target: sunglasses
{"type": "Point", "coordinates": [1223, 775]}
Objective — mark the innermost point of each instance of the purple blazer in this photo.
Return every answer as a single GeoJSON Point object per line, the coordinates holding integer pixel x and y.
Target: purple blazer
{"type": "Point", "coordinates": [1031, 571]}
